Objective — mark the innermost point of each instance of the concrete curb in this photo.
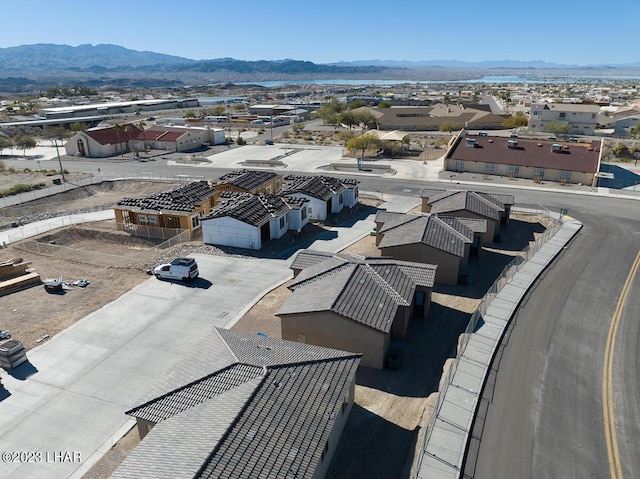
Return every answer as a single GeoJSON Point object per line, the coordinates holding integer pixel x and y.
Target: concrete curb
{"type": "Point", "coordinates": [444, 454]}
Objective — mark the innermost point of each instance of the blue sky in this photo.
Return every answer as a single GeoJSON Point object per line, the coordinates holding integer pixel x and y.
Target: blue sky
{"type": "Point", "coordinates": [559, 31]}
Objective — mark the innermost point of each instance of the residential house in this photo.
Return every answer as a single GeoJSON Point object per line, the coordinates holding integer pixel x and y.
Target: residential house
{"type": "Point", "coordinates": [180, 208]}
{"type": "Point", "coordinates": [431, 118]}
{"type": "Point", "coordinates": [244, 406]}
{"type": "Point", "coordinates": [537, 160]}
{"type": "Point", "coordinates": [250, 181]}
{"type": "Point", "coordinates": [326, 194]}
{"type": "Point", "coordinates": [467, 204]}
{"type": "Point", "coordinates": [442, 241]}
{"type": "Point", "coordinates": [244, 220]}
{"type": "Point", "coordinates": [582, 119]}
{"type": "Point", "coordinates": [354, 302]}
{"type": "Point", "coordinates": [102, 142]}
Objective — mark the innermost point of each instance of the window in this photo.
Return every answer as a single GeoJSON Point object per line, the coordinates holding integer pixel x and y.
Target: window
{"type": "Point", "coordinates": [538, 173]}
{"type": "Point", "coordinates": [535, 113]}
{"type": "Point", "coordinates": [268, 189]}
{"type": "Point", "coordinates": [490, 169]}
{"type": "Point", "coordinates": [565, 176]}
{"type": "Point", "coordinates": [303, 212]}
{"type": "Point", "coordinates": [195, 222]}
{"type": "Point", "coordinates": [282, 222]}
{"type": "Point", "coordinates": [563, 115]}
{"type": "Point", "coordinates": [593, 116]}
{"type": "Point", "coordinates": [340, 199]}
{"type": "Point", "coordinates": [459, 166]}
{"type": "Point", "coordinates": [514, 170]}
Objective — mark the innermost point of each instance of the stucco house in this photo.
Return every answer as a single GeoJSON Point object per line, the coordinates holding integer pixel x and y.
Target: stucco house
{"type": "Point", "coordinates": [431, 118]}
{"type": "Point", "coordinates": [468, 204]}
{"type": "Point", "coordinates": [180, 208]}
{"type": "Point", "coordinates": [104, 142]}
{"type": "Point", "coordinates": [354, 302]}
{"type": "Point", "coordinates": [326, 194]}
{"type": "Point", "coordinates": [250, 181]}
{"type": "Point", "coordinates": [533, 159]}
{"type": "Point", "coordinates": [244, 406]}
{"type": "Point", "coordinates": [443, 241]}
{"type": "Point", "coordinates": [248, 221]}
{"type": "Point", "coordinates": [582, 119]}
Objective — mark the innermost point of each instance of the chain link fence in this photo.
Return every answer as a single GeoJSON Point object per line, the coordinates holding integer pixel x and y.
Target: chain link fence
{"type": "Point", "coordinates": [504, 278]}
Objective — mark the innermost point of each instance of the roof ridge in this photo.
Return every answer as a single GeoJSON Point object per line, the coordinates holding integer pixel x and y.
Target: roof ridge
{"type": "Point", "coordinates": [486, 201]}
{"type": "Point", "coordinates": [386, 286]}
{"type": "Point", "coordinates": [455, 231]}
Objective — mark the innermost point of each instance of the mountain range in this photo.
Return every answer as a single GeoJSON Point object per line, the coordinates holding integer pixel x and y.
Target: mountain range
{"type": "Point", "coordinates": [40, 66]}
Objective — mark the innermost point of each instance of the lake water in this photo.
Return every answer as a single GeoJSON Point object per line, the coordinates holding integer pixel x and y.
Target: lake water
{"type": "Point", "coordinates": [485, 79]}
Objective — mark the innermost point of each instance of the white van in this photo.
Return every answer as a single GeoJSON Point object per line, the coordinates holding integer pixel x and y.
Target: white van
{"type": "Point", "coordinates": [184, 269]}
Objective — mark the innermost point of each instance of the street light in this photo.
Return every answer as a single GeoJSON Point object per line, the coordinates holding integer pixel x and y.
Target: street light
{"type": "Point", "coordinates": [55, 142]}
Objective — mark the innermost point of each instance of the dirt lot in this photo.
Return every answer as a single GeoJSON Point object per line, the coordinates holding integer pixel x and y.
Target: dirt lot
{"type": "Point", "coordinates": [389, 405]}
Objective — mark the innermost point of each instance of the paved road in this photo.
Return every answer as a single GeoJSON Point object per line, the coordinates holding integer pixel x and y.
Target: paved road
{"type": "Point", "coordinates": [72, 394]}
{"type": "Point", "coordinates": [546, 414]}
{"type": "Point", "coordinates": [544, 417]}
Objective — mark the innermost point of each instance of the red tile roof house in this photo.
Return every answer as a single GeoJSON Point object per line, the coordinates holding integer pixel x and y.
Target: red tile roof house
{"type": "Point", "coordinates": [244, 406]}
{"type": "Point", "coordinates": [356, 303]}
{"type": "Point", "coordinates": [110, 141]}
{"type": "Point", "coordinates": [538, 160]}
{"type": "Point", "coordinates": [248, 221]}
{"type": "Point", "coordinates": [443, 241]}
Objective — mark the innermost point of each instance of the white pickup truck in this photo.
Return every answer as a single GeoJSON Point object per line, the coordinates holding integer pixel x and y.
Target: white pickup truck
{"type": "Point", "coordinates": [184, 269]}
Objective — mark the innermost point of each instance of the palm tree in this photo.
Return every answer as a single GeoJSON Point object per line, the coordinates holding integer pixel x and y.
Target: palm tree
{"type": "Point", "coordinates": [127, 130]}
{"type": "Point", "coordinates": [141, 125]}
{"type": "Point", "coordinates": [117, 127]}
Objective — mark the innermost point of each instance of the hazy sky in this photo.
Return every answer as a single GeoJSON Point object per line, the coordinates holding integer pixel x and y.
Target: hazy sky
{"type": "Point", "coordinates": [561, 31]}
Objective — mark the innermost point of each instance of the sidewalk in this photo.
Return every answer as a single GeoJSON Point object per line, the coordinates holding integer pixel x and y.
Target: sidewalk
{"type": "Point", "coordinates": [445, 450]}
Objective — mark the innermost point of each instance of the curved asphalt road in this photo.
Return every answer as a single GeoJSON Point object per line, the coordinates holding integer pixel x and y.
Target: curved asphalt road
{"type": "Point", "coordinates": [544, 417]}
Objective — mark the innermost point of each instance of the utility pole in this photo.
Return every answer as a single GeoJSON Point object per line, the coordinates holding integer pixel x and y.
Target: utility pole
{"type": "Point", "coordinates": [55, 142]}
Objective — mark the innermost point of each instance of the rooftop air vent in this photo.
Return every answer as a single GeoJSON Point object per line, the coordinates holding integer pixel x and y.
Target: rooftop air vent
{"type": "Point", "coordinates": [512, 144]}
{"type": "Point", "coordinates": [471, 142]}
{"type": "Point", "coordinates": [556, 147]}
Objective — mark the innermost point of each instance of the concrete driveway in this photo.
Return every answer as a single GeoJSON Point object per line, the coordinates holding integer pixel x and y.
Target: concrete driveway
{"type": "Point", "coordinates": [72, 394]}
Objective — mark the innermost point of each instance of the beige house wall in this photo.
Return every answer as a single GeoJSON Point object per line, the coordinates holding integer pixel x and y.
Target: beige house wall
{"type": "Point", "coordinates": [328, 329]}
{"type": "Point", "coordinates": [448, 264]}
{"type": "Point", "coordinates": [336, 432]}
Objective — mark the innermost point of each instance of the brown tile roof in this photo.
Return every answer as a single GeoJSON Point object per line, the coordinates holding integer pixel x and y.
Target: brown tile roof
{"type": "Point", "coordinates": [111, 136]}
{"type": "Point", "coordinates": [533, 153]}
{"type": "Point", "coordinates": [247, 180]}
{"type": "Point", "coordinates": [451, 201]}
{"type": "Point", "coordinates": [268, 411]}
{"type": "Point", "coordinates": [365, 290]}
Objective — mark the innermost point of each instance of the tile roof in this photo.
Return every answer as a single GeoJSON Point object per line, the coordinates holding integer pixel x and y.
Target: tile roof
{"type": "Point", "coordinates": [254, 210]}
{"type": "Point", "coordinates": [527, 153]}
{"type": "Point", "coordinates": [184, 198]}
{"type": "Point", "coordinates": [448, 235]}
{"type": "Point", "coordinates": [321, 187]}
{"type": "Point", "coordinates": [366, 290]}
{"type": "Point", "coordinates": [113, 136]}
{"type": "Point", "coordinates": [247, 180]}
{"type": "Point", "coordinates": [452, 201]}
{"type": "Point", "coordinates": [270, 415]}
{"type": "Point", "coordinates": [476, 225]}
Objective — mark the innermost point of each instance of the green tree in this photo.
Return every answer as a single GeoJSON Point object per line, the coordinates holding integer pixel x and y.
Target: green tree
{"type": "Point", "coordinates": [449, 126]}
{"type": "Point", "coordinates": [218, 110]}
{"type": "Point", "coordinates": [190, 114]}
{"type": "Point", "coordinates": [5, 143]}
{"type": "Point", "coordinates": [516, 120]}
{"type": "Point", "coordinates": [347, 118]}
{"type": "Point", "coordinates": [635, 130]}
{"type": "Point", "coordinates": [345, 136]}
{"type": "Point", "coordinates": [141, 125]}
{"type": "Point", "coordinates": [364, 118]}
{"type": "Point", "coordinates": [384, 104]}
{"type": "Point", "coordinates": [365, 142]}
{"type": "Point", "coordinates": [76, 127]}
{"type": "Point", "coordinates": [357, 104]}
{"type": "Point", "coordinates": [620, 149]}
{"type": "Point", "coordinates": [117, 127]}
{"type": "Point", "coordinates": [25, 143]}
{"type": "Point", "coordinates": [239, 107]}
{"type": "Point", "coordinates": [558, 127]}
{"type": "Point", "coordinates": [329, 112]}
